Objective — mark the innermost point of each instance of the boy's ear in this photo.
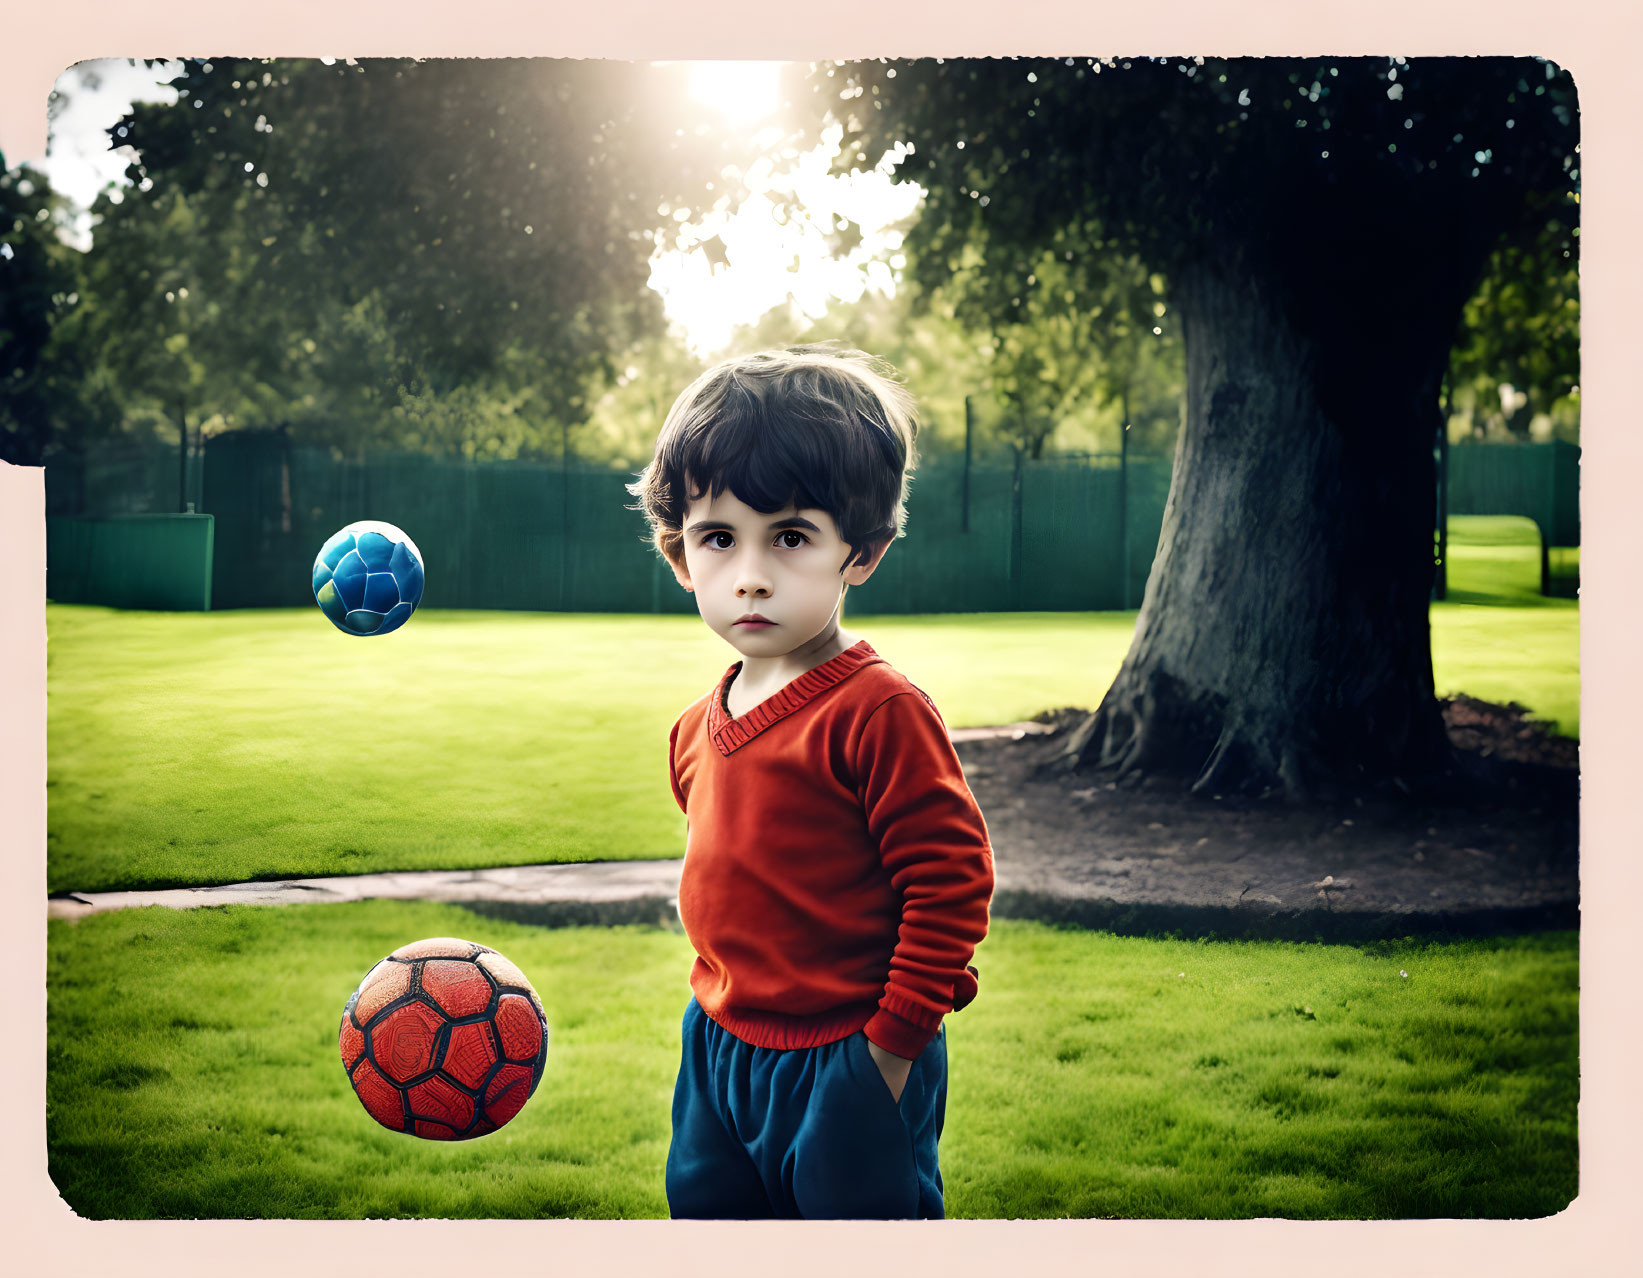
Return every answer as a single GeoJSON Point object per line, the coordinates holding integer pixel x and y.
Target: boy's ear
{"type": "Point", "coordinates": [681, 574]}
{"type": "Point", "coordinates": [858, 573]}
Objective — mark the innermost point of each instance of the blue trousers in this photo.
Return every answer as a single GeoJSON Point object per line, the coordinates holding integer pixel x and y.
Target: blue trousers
{"type": "Point", "coordinates": [812, 1133]}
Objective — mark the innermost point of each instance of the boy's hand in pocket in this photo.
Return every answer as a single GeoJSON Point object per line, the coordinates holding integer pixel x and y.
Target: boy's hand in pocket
{"type": "Point", "coordinates": [894, 1069]}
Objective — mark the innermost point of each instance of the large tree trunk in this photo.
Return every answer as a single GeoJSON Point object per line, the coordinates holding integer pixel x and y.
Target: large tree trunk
{"type": "Point", "coordinates": [1283, 638]}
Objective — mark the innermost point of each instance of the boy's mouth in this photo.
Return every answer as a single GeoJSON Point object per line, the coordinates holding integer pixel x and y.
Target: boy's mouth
{"type": "Point", "coordinates": [753, 621]}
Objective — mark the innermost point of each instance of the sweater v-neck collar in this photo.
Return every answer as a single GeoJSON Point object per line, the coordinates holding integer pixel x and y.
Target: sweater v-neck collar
{"type": "Point", "coordinates": [729, 734]}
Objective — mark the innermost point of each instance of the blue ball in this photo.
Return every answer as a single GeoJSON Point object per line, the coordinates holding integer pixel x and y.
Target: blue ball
{"type": "Point", "coordinates": [368, 578]}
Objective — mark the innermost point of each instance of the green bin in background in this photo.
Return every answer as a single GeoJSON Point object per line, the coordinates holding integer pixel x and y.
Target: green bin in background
{"type": "Point", "coordinates": [156, 562]}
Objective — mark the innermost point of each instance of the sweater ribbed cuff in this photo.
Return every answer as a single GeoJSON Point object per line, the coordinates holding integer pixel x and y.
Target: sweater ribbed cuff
{"type": "Point", "coordinates": [898, 1035]}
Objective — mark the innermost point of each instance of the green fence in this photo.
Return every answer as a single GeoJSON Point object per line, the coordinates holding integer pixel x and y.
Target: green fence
{"type": "Point", "coordinates": [1538, 481]}
{"type": "Point", "coordinates": [520, 535]}
{"type": "Point", "coordinates": [512, 535]}
{"type": "Point", "coordinates": [131, 561]}
{"type": "Point", "coordinates": [1051, 535]}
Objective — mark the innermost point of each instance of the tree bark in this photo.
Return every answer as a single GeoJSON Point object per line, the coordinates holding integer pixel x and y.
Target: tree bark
{"type": "Point", "coordinates": [1283, 639]}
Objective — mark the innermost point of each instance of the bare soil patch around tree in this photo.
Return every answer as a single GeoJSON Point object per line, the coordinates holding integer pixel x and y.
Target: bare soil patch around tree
{"type": "Point", "coordinates": [1492, 848]}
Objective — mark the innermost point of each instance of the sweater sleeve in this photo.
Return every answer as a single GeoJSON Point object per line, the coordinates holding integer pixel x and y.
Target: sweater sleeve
{"type": "Point", "coordinates": [933, 842]}
{"type": "Point", "coordinates": [673, 764]}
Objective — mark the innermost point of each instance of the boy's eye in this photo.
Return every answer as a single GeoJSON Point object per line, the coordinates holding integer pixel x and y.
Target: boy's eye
{"type": "Point", "coordinates": [720, 540]}
{"type": "Point", "coordinates": [797, 539]}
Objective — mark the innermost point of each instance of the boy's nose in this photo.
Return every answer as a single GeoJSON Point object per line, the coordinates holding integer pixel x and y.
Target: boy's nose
{"type": "Point", "coordinates": [751, 579]}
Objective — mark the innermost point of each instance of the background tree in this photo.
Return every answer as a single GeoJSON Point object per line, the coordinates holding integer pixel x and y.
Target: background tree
{"type": "Point", "coordinates": [1320, 224]}
{"type": "Point", "coordinates": [949, 352]}
{"type": "Point", "coordinates": [164, 315]}
{"type": "Point", "coordinates": [1091, 338]}
{"type": "Point", "coordinates": [1043, 369]}
{"type": "Point", "coordinates": [1516, 363]}
{"type": "Point", "coordinates": [630, 404]}
{"type": "Point", "coordinates": [52, 393]}
{"type": "Point", "coordinates": [440, 253]}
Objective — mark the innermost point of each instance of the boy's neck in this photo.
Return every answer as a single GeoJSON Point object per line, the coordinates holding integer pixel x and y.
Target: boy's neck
{"type": "Point", "coordinates": [762, 677]}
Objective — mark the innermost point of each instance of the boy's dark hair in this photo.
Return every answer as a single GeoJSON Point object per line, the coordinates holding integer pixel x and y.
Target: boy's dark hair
{"type": "Point", "coordinates": [817, 426]}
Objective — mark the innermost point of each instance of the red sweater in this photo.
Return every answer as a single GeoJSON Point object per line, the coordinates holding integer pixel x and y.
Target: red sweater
{"type": "Point", "coordinates": [837, 870]}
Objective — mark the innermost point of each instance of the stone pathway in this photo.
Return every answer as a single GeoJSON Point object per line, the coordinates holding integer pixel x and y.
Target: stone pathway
{"type": "Point", "coordinates": [609, 891]}
{"type": "Point", "coordinates": [591, 882]}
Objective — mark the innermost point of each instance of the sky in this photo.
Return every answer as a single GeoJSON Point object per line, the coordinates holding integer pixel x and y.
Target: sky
{"type": "Point", "coordinates": [89, 98]}
{"type": "Point", "coordinates": [768, 260]}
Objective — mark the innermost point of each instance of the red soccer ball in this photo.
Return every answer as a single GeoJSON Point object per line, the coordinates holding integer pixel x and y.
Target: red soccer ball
{"type": "Point", "coordinates": [444, 1039]}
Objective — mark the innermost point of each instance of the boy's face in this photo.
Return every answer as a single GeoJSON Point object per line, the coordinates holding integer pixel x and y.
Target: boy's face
{"type": "Point", "coordinates": [783, 568]}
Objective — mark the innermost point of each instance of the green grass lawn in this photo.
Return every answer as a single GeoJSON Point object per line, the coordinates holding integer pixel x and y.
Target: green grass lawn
{"type": "Point", "coordinates": [206, 748]}
{"type": "Point", "coordinates": [1496, 636]}
{"type": "Point", "coordinates": [1495, 559]}
{"type": "Point", "coordinates": [193, 1072]}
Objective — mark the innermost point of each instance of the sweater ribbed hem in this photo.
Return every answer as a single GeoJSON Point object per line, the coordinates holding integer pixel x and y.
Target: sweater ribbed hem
{"type": "Point", "coordinates": [773, 1029]}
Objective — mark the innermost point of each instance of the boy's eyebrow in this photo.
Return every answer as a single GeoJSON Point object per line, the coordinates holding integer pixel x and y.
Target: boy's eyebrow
{"type": "Point", "coordinates": [715, 525]}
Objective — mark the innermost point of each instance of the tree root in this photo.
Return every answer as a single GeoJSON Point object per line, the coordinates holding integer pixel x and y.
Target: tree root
{"type": "Point", "coordinates": [1218, 768]}
{"type": "Point", "coordinates": [1072, 755]}
{"type": "Point", "coordinates": [1147, 730]}
{"type": "Point", "coordinates": [1132, 741]}
{"type": "Point", "coordinates": [1242, 762]}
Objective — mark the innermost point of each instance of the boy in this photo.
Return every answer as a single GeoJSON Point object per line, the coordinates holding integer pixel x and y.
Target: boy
{"type": "Point", "coordinates": [837, 871]}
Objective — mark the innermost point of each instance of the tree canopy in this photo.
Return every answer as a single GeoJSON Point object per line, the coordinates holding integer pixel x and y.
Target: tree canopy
{"type": "Point", "coordinates": [48, 371]}
{"type": "Point", "coordinates": [446, 250]}
{"type": "Point", "coordinates": [1184, 159]}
